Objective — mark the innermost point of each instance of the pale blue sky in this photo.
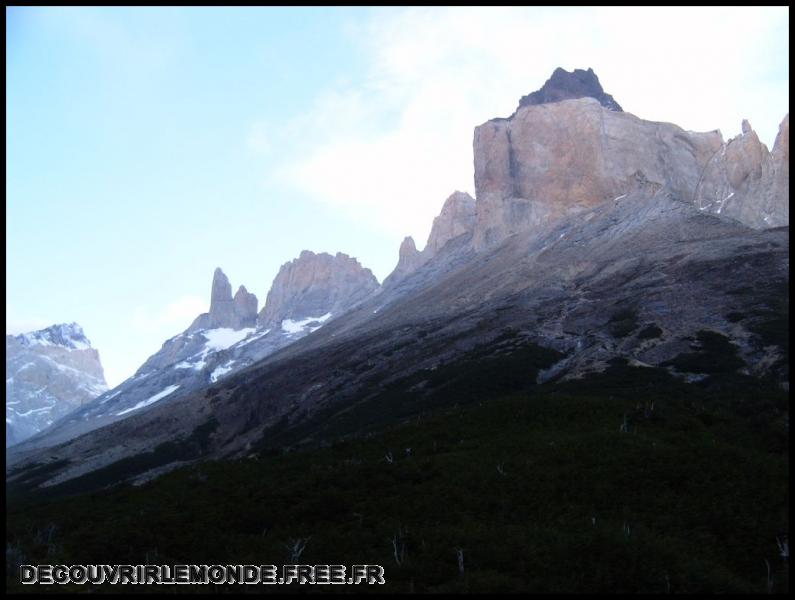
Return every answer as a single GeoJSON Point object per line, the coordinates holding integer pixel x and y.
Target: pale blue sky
{"type": "Point", "coordinates": [146, 146]}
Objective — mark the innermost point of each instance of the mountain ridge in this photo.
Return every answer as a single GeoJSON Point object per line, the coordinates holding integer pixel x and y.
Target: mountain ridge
{"type": "Point", "coordinates": [587, 239]}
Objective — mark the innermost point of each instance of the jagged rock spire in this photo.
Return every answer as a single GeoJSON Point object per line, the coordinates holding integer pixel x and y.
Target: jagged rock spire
{"type": "Point", "coordinates": [225, 311]}
{"type": "Point", "coordinates": [409, 259]}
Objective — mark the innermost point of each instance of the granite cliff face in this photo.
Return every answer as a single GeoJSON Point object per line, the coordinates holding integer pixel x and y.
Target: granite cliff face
{"type": "Point", "coordinates": [316, 285]}
{"type": "Point", "coordinates": [49, 373]}
{"type": "Point", "coordinates": [556, 157]}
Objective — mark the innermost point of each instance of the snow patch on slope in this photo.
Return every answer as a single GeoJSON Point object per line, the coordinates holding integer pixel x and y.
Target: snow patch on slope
{"type": "Point", "coordinates": [159, 396]}
{"type": "Point", "coordinates": [220, 339]}
{"type": "Point", "coordinates": [221, 371]}
{"type": "Point", "coordinates": [292, 327]}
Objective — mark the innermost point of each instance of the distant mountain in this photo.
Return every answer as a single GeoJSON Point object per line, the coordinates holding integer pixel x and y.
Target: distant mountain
{"type": "Point", "coordinates": [49, 373]}
{"type": "Point", "coordinates": [306, 293]}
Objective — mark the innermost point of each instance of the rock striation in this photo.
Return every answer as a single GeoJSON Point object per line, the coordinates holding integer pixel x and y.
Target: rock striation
{"type": "Point", "coordinates": [315, 285]}
{"type": "Point", "coordinates": [49, 373]}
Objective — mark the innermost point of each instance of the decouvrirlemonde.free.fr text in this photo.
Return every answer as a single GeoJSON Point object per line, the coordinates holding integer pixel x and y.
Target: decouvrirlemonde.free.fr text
{"type": "Point", "coordinates": [201, 574]}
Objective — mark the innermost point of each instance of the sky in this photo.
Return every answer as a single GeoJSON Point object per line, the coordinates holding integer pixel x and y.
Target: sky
{"type": "Point", "coordinates": [147, 146]}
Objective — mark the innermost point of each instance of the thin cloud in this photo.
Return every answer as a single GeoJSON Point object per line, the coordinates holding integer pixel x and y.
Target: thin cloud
{"type": "Point", "coordinates": [176, 315]}
{"type": "Point", "coordinates": [389, 149]}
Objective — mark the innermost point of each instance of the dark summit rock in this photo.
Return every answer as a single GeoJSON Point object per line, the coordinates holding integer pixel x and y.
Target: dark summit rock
{"type": "Point", "coordinates": [566, 86]}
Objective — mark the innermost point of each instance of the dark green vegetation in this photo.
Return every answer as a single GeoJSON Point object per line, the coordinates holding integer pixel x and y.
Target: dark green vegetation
{"type": "Point", "coordinates": [165, 453]}
{"type": "Point", "coordinates": [627, 481]}
{"type": "Point", "coordinates": [649, 332]}
{"type": "Point", "coordinates": [505, 365]}
{"type": "Point", "coordinates": [714, 354]}
{"type": "Point", "coordinates": [623, 323]}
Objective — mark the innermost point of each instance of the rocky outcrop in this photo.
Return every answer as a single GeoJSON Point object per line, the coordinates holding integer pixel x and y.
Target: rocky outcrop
{"type": "Point", "coordinates": [316, 285]}
{"type": "Point", "coordinates": [245, 307]}
{"type": "Point", "coordinates": [409, 260]}
{"type": "Point", "coordinates": [456, 219]}
{"type": "Point", "coordinates": [226, 312]}
{"type": "Point", "coordinates": [568, 86]}
{"type": "Point", "coordinates": [746, 182]}
{"type": "Point", "coordinates": [49, 373]}
{"type": "Point", "coordinates": [557, 158]}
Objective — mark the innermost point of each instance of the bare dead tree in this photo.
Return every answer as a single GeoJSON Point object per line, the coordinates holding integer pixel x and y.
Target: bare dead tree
{"type": "Point", "coordinates": [389, 458]}
{"type": "Point", "coordinates": [296, 548]}
{"type": "Point", "coordinates": [460, 555]}
{"type": "Point", "coordinates": [783, 546]}
{"type": "Point", "coordinates": [624, 428]}
{"type": "Point", "coordinates": [769, 578]}
{"type": "Point", "coordinates": [399, 546]}
{"type": "Point", "coordinates": [501, 469]}
{"type": "Point", "coordinates": [648, 409]}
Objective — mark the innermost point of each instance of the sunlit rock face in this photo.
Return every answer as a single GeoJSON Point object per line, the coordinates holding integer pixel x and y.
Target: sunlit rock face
{"type": "Point", "coordinates": [315, 285]}
{"type": "Point", "coordinates": [561, 156]}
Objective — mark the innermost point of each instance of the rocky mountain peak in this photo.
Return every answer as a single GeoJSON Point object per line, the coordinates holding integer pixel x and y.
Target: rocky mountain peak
{"type": "Point", "coordinates": [239, 312]}
{"type": "Point", "coordinates": [66, 335]}
{"type": "Point", "coordinates": [49, 373]}
{"type": "Point", "coordinates": [221, 288]}
{"type": "Point", "coordinates": [567, 86]}
{"type": "Point", "coordinates": [407, 248]}
{"type": "Point", "coordinates": [245, 308]}
{"type": "Point", "coordinates": [314, 285]}
{"type": "Point", "coordinates": [457, 217]}
{"type": "Point", "coordinates": [409, 259]}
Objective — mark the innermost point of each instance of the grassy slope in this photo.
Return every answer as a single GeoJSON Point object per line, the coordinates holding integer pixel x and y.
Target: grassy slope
{"type": "Point", "coordinates": [690, 498]}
